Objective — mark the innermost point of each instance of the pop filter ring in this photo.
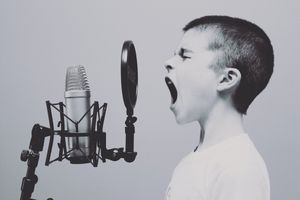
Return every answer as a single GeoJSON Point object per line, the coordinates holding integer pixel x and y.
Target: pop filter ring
{"type": "Point", "coordinates": [129, 76]}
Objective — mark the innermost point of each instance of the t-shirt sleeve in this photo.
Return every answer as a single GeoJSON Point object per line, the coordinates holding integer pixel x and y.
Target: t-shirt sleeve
{"type": "Point", "coordinates": [248, 183]}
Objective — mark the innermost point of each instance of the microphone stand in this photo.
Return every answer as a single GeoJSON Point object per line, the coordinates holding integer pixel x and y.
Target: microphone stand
{"type": "Point", "coordinates": [38, 135]}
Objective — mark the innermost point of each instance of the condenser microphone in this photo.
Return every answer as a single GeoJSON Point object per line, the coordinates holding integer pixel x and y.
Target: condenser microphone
{"type": "Point", "coordinates": [77, 101]}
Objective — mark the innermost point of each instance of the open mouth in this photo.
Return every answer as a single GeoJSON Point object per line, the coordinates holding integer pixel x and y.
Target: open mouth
{"type": "Point", "coordinates": [172, 89]}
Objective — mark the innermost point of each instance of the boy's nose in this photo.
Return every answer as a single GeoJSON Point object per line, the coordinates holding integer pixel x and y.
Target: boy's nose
{"type": "Point", "coordinates": [168, 67]}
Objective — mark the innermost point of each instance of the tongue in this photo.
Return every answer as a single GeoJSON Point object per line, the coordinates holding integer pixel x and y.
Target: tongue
{"type": "Point", "coordinates": [172, 89]}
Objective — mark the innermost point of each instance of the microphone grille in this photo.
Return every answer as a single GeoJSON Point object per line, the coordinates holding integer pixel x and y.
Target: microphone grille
{"type": "Point", "coordinates": [76, 78]}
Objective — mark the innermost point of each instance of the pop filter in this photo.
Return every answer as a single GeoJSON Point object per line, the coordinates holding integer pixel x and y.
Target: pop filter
{"type": "Point", "coordinates": [129, 76]}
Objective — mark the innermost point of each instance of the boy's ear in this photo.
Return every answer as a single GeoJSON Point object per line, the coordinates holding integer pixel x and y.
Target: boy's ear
{"type": "Point", "coordinates": [229, 79]}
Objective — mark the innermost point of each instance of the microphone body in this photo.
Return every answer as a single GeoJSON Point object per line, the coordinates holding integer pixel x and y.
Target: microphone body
{"type": "Point", "coordinates": [77, 100]}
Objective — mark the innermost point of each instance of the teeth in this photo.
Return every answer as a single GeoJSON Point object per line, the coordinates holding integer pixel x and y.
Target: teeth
{"type": "Point", "coordinates": [172, 89]}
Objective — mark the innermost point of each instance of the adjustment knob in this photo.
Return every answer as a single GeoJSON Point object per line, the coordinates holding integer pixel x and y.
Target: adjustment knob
{"type": "Point", "coordinates": [24, 155]}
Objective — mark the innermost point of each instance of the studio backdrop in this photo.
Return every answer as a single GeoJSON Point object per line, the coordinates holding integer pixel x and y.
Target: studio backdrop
{"type": "Point", "coordinates": [41, 39]}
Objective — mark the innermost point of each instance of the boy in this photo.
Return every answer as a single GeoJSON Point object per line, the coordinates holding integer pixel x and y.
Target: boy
{"type": "Point", "coordinates": [220, 66]}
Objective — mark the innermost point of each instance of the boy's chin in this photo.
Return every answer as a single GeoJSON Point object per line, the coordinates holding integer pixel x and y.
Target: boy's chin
{"type": "Point", "coordinates": [184, 116]}
{"type": "Point", "coordinates": [181, 119]}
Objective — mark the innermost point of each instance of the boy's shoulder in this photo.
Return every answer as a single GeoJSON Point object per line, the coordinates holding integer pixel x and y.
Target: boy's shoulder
{"type": "Point", "coordinates": [238, 167]}
{"type": "Point", "coordinates": [236, 152]}
{"type": "Point", "coordinates": [234, 156]}
{"type": "Point", "coordinates": [226, 166]}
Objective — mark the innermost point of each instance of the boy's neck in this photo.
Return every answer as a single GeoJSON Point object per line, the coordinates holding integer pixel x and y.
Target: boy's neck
{"type": "Point", "coordinates": [222, 123]}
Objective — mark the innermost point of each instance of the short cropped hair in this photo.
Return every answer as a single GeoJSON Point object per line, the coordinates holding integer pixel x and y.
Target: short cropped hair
{"type": "Point", "coordinates": [244, 46]}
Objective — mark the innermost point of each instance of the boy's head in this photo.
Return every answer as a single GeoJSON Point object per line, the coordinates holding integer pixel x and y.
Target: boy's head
{"type": "Point", "coordinates": [238, 52]}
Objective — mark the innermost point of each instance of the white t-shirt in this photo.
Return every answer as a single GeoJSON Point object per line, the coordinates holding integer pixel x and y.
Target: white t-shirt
{"type": "Point", "coordinates": [230, 170]}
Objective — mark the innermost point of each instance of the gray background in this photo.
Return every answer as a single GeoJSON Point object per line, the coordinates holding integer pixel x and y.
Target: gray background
{"type": "Point", "coordinates": [39, 39]}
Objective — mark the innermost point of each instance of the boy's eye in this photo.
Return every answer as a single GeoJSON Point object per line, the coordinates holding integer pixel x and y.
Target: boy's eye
{"type": "Point", "coordinates": [181, 53]}
{"type": "Point", "coordinates": [184, 57]}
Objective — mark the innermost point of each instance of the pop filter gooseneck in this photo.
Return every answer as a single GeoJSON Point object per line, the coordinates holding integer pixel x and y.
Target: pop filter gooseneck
{"type": "Point", "coordinates": [129, 76]}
